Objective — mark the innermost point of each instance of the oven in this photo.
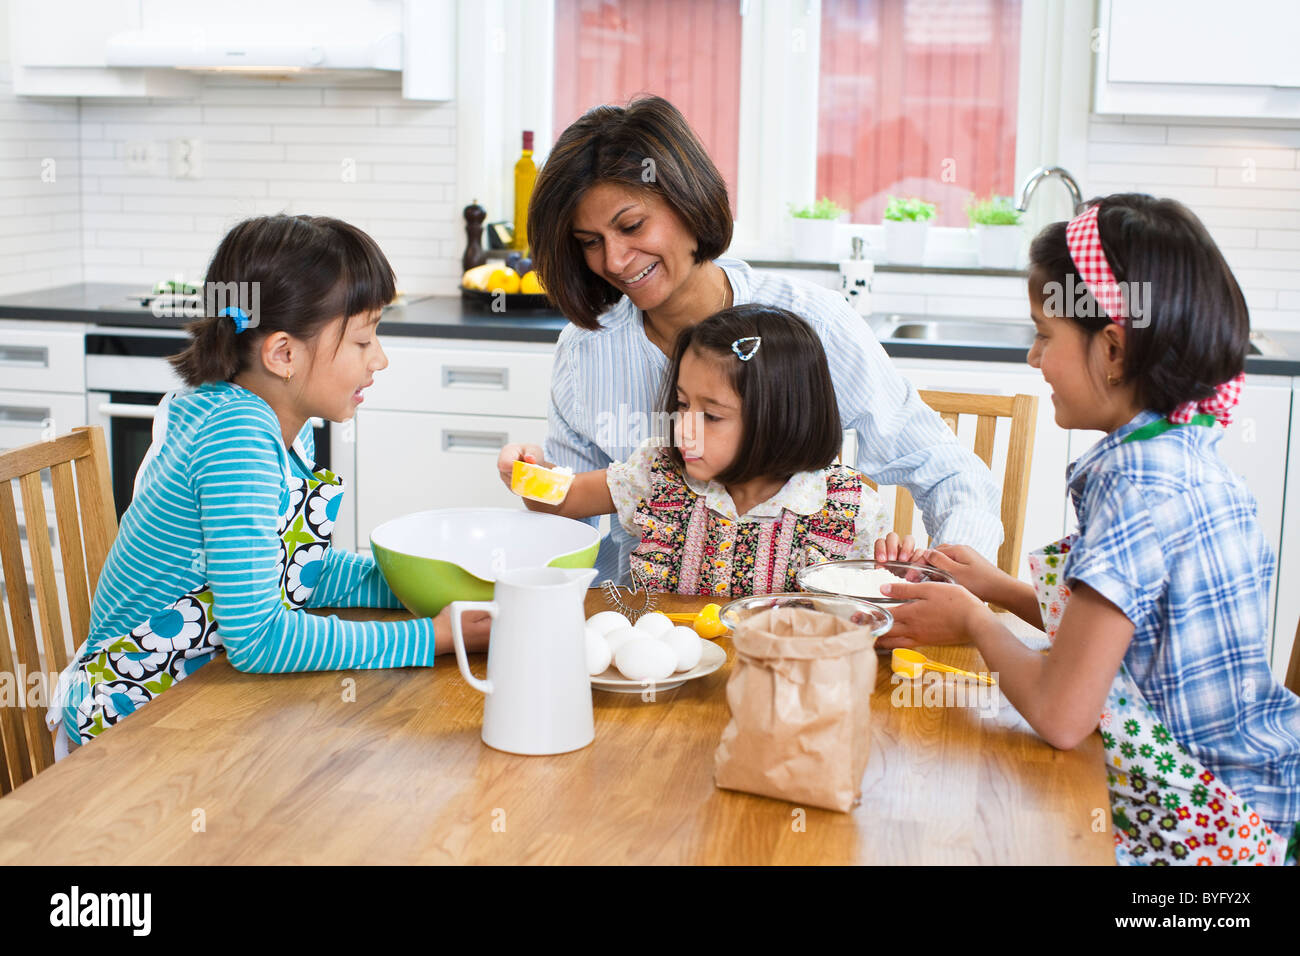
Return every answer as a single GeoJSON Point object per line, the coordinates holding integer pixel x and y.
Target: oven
{"type": "Point", "coordinates": [127, 374]}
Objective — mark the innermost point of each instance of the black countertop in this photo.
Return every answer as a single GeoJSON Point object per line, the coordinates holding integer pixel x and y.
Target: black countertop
{"type": "Point", "coordinates": [450, 317]}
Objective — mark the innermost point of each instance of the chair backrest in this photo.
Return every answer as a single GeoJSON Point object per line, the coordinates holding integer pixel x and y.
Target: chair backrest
{"type": "Point", "coordinates": [87, 525]}
{"type": "Point", "coordinates": [1023, 412]}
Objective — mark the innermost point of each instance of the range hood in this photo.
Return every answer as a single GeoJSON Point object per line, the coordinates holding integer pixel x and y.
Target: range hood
{"type": "Point", "coordinates": [260, 50]}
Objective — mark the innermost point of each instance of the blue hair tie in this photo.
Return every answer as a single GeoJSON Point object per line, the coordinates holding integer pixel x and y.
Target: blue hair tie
{"type": "Point", "coordinates": [753, 341]}
{"type": "Point", "coordinates": [239, 316]}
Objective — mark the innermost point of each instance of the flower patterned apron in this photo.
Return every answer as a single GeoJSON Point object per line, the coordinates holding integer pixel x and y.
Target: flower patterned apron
{"type": "Point", "coordinates": [99, 688]}
{"type": "Point", "coordinates": [1167, 807]}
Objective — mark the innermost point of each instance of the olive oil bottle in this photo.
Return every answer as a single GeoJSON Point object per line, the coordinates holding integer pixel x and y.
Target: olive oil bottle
{"type": "Point", "coordinates": [525, 176]}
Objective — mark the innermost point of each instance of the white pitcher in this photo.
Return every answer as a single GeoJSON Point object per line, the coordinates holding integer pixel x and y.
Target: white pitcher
{"type": "Point", "coordinates": [538, 691]}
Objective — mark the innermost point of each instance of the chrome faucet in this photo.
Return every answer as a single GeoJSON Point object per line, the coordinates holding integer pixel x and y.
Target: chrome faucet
{"type": "Point", "coordinates": [1044, 172]}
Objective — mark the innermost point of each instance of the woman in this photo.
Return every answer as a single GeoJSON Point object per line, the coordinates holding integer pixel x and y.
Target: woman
{"type": "Point", "coordinates": [628, 220]}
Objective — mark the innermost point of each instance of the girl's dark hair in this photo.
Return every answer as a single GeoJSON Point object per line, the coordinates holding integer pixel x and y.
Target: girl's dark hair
{"type": "Point", "coordinates": [301, 272]}
{"type": "Point", "coordinates": [1196, 329]}
{"type": "Point", "coordinates": [791, 421]}
{"type": "Point", "coordinates": [646, 146]}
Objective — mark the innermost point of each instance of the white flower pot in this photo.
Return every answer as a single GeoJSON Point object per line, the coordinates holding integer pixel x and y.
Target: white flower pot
{"type": "Point", "coordinates": [905, 241]}
{"type": "Point", "coordinates": [999, 246]}
{"type": "Point", "coordinates": [814, 239]}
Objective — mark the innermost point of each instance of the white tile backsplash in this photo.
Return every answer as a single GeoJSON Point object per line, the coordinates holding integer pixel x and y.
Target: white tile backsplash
{"type": "Point", "coordinates": [1241, 178]}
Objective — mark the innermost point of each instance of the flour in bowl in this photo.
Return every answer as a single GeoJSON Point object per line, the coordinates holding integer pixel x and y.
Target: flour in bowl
{"type": "Point", "coordinates": [855, 582]}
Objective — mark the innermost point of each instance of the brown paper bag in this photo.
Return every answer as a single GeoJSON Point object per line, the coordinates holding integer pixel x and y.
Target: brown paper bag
{"type": "Point", "coordinates": [800, 699]}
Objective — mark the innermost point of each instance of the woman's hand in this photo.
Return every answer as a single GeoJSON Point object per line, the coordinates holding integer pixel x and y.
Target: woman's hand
{"type": "Point", "coordinates": [937, 613]}
{"type": "Point", "coordinates": [970, 569]}
{"type": "Point", "coordinates": [894, 548]}
{"type": "Point", "coordinates": [510, 454]}
{"type": "Point", "coordinates": [474, 625]}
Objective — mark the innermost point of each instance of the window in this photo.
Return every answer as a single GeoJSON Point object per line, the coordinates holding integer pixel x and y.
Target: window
{"type": "Point", "coordinates": [687, 51]}
{"type": "Point", "coordinates": [917, 98]}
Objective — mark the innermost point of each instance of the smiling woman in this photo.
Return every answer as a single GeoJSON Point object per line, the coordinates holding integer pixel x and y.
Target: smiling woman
{"type": "Point", "coordinates": [629, 221]}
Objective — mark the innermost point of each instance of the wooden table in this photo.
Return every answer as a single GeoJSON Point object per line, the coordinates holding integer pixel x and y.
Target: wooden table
{"type": "Point", "coordinates": [387, 767]}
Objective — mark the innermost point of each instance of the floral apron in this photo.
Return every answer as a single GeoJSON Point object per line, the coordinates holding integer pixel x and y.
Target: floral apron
{"type": "Point", "coordinates": [100, 687]}
{"type": "Point", "coordinates": [1167, 807]}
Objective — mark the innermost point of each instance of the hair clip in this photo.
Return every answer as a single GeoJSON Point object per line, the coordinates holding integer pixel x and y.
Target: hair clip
{"type": "Point", "coordinates": [239, 316]}
{"type": "Point", "coordinates": [746, 356]}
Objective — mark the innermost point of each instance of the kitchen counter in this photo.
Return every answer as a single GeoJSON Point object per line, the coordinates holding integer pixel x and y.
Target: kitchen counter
{"type": "Point", "coordinates": [449, 317]}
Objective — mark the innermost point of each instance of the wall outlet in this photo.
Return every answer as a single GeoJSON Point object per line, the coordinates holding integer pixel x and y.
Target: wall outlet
{"type": "Point", "coordinates": [142, 158]}
{"type": "Point", "coordinates": [186, 159]}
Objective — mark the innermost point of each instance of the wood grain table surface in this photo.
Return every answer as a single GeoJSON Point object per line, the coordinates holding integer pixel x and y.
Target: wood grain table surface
{"type": "Point", "coordinates": [356, 767]}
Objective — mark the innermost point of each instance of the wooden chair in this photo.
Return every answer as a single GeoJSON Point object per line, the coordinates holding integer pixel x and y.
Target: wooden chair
{"type": "Point", "coordinates": [1023, 412]}
{"type": "Point", "coordinates": [87, 525]}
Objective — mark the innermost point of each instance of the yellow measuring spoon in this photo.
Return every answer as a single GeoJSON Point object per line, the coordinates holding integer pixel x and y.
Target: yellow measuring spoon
{"type": "Point", "coordinates": [911, 663]}
{"type": "Point", "coordinates": [706, 622]}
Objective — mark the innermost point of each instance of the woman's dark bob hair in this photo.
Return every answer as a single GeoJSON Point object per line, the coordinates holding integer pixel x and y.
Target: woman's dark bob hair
{"type": "Point", "coordinates": [301, 272]}
{"type": "Point", "coordinates": [646, 146]}
{"type": "Point", "coordinates": [791, 421]}
{"type": "Point", "coordinates": [1194, 330]}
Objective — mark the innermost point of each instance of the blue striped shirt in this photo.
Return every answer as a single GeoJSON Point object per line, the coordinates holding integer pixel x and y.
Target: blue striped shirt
{"type": "Point", "coordinates": [1169, 535]}
{"type": "Point", "coordinates": [605, 390]}
{"type": "Point", "coordinates": [207, 509]}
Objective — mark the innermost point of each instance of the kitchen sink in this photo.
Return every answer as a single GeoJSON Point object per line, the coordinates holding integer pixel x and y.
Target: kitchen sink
{"type": "Point", "coordinates": [960, 332]}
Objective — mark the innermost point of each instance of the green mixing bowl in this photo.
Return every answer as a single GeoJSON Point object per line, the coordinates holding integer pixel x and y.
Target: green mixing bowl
{"type": "Point", "coordinates": [432, 558]}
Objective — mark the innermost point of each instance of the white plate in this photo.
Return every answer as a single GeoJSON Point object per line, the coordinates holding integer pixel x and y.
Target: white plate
{"type": "Point", "coordinates": [711, 658]}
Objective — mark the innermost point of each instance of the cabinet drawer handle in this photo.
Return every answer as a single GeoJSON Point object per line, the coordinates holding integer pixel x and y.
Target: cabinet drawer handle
{"type": "Point", "coordinates": [28, 356]}
{"type": "Point", "coordinates": [466, 376]}
{"type": "Point", "coordinates": [126, 410]}
{"type": "Point", "coordinates": [474, 441]}
{"type": "Point", "coordinates": [20, 415]}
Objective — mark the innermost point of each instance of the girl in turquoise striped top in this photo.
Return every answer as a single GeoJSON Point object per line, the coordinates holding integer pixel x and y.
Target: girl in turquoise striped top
{"type": "Point", "coordinates": [227, 538]}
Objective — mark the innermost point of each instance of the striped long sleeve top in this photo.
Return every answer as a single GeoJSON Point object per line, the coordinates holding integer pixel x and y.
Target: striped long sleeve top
{"type": "Point", "coordinates": [604, 393]}
{"type": "Point", "coordinates": [206, 510]}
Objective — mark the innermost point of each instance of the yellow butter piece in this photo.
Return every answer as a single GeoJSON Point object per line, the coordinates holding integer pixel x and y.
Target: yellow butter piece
{"type": "Point", "coordinates": [538, 483]}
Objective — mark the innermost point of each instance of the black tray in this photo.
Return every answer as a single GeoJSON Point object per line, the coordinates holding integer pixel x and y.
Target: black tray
{"type": "Point", "coordinates": [513, 302]}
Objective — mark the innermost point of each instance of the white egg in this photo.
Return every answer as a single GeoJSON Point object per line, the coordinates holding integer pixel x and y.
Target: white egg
{"type": "Point", "coordinates": [598, 653]}
{"type": "Point", "coordinates": [620, 636]}
{"type": "Point", "coordinates": [606, 621]}
{"type": "Point", "coordinates": [644, 658]}
{"type": "Point", "coordinates": [655, 624]}
{"type": "Point", "coordinates": [686, 644]}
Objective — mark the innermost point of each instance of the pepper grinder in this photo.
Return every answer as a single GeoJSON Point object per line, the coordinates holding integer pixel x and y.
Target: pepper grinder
{"type": "Point", "coordinates": [474, 254]}
{"type": "Point", "coordinates": [855, 279]}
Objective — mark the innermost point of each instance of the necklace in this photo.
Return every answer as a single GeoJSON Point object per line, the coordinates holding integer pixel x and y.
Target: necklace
{"type": "Point", "coordinates": [726, 299]}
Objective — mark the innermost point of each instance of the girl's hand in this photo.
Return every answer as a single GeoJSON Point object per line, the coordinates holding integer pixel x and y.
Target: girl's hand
{"type": "Point", "coordinates": [969, 568]}
{"type": "Point", "coordinates": [474, 625]}
{"type": "Point", "coordinates": [893, 548]}
{"type": "Point", "coordinates": [937, 614]}
{"type": "Point", "coordinates": [510, 454]}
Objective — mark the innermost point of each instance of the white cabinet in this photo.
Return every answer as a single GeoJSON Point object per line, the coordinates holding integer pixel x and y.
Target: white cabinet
{"type": "Point", "coordinates": [1287, 614]}
{"type": "Point", "coordinates": [432, 425]}
{"type": "Point", "coordinates": [1194, 58]}
{"type": "Point", "coordinates": [1045, 509]}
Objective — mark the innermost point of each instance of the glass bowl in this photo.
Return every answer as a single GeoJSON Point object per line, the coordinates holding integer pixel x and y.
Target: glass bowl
{"type": "Point", "coordinates": [807, 578]}
{"type": "Point", "coordinates": [853, 610]}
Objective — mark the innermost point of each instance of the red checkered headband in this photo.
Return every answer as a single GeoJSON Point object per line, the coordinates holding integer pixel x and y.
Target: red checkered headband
{"type": "Point", "coordinates": [1084, 242]}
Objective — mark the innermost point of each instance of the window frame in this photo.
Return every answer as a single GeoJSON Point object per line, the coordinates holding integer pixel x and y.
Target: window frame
{"type": "Point", "coordinates": [778, 106]}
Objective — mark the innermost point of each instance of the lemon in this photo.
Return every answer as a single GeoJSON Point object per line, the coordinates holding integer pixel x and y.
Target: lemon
{"type": "Point", "coordinates": [503, 280]}
{"type": "Point", "coordinates": [531, 283]}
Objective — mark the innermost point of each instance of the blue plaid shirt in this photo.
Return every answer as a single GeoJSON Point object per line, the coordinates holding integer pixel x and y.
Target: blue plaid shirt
{"type": "Point", "coordinates": [1168, 534]}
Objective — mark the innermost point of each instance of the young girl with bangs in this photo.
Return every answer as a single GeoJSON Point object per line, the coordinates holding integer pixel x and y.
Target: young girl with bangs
{"type": "Point", "coordinates": [1158, 606]}
{"type": "Point", "coordinates": [227, 538]}
{"type": "Point", "coordinates": [743, 490]}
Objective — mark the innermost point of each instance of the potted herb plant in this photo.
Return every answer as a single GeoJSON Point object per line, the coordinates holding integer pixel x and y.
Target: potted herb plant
{"type": "Point", "coordinates": [907, 224]}
{"type": "Point", "coordinates": [813, 230]}
{"type": "Point", "coordinates": [996, 221]}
